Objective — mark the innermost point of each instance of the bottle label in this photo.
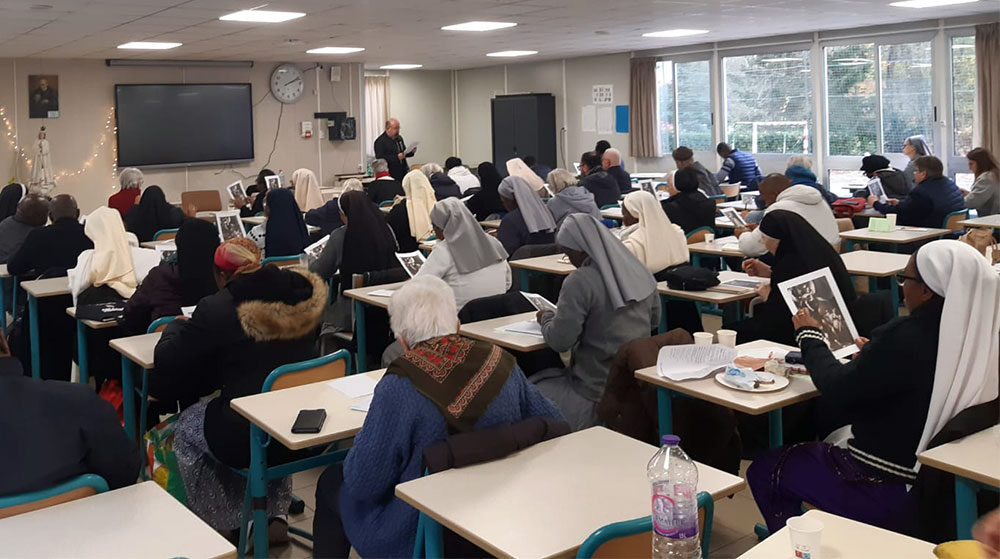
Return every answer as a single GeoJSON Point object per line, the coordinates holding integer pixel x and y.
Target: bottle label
{"type": "Point", "coordinates": [663, 516]}
{"type": "Point", "coordinates": [668, 521]}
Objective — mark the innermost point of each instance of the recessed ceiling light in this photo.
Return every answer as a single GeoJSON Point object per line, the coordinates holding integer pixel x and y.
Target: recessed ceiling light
{"type": "Point", "coordinates": [334, 50]}
{"type": "Point", "coordinates": [147, 45]}
{"type": "Point", "coordinates": [507, 53]}
{"type": "Point", "coordinates": [675, 33]}
{"type": "Point", "coordinates": [929, 3]}
{"type": "Point", "coordinates": [478, 26]}
{"type": "Point", "coordinates": [261, 16]}
{"type": "Point", "coordinates": [400, 66]}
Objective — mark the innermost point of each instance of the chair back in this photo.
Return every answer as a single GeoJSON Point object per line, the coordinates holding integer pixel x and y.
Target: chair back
{"type": "Point", "coordinates": [719, 198]}
{"type": "Point", "coordinates": [698, 235]}
{"type": "Point", "coordinates": [844, 224]}
{"type": "Point", "coordinates": [385, 203]}
{"type": "Point", "coordinates": [416, 167]}
{"type": "Point", "coordinates": [281, 261]}
{"type": "Point", "coordinates": [633, 538]}
{"type": "Point", "coordinates": [609, 206]}
{"type": "Point", "coordinates": [71, 490]}
{"type": "Point", "coordinates": [203, 200]}
{"type": "Point", "coordinates": [327, 367]}
{"type": "Point", "coordinates": [159, 324]}
{"type": "Point", "coordinates": [951, 220]}
{"type": "Point", "coordinates": [730, 190]}
{"type": "Point", "coordinates": [165, 234]}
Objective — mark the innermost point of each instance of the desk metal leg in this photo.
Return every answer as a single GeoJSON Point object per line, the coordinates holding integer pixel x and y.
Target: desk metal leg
{"type": "Point", "coordinates": [81, 351]}
{"type": "Point", "coordinates": [665, 409]}
{"type": "Point", "coordinates": [258, 491]}
{"type": "Point", "coordinates": [894, 294]}
{"type": "Point", "coordinates": [525, 279]}
{"type": "Point", "coordinates": [359, 336]}
{"type": "Point", "coordinates": [128, 399]}
{"type": "Point", "coordinates": [695, 259]}
{"type": "Point", "coordinates": [965, 507]}
{"type": "Point", "coordinates": [36, 365]}
{"type": "Point", "coordinates": [3, 308]}
{"type": "Point", "coordinates": [776, 435]}
{"type": "Point", "coordinates": [848, 245]}
{"type": "Point", "coordinates": [433, 540]}
{"type": "Point", "coordinates": [663, 315]}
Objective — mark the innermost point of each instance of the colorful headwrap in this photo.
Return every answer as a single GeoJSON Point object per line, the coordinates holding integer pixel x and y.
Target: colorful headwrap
{"type": "Point", "coordinates": [240, 256]}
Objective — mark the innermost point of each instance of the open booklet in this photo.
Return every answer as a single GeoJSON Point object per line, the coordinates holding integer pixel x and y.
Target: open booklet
{"type": "Point", "coordinates": [817, 292]}
{"type": "Point", "coordinates": [734, 217]}
{"type": "Point", "coordinates": [314, 250]}
{"type": "Point", "coordinates": [684, 362]}
{"type": "Point", "coordinates": [412, 148]}
{"type": "Point", "coordinates": [540, 303]}
{"type": "Point", "coordinates": [739, 285]}
{"type": "Point", "coordinates": [236, 191]}
{"type": "Point", "coordinates": [411, 261]}
{"type": "Point", "coordinates": [875, 189]}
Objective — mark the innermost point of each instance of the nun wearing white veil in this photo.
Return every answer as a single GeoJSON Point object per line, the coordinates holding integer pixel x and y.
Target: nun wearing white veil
{"type": "Point", "coordinates": [608, 301]}
{"type": "Point", "coordinates": [913, 377]}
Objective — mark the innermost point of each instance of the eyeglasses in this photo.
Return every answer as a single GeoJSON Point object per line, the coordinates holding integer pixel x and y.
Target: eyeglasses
{"type": "Point", "coordinates": [901, 278]}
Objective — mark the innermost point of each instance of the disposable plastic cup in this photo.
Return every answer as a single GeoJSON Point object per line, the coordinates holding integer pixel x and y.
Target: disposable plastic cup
{"type": "Point", "coordinates": [703, 338]}
{"type": "Point", "coordinates": [806, 535]}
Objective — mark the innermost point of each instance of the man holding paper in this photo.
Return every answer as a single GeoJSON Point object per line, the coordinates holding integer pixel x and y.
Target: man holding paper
{"type": "Point", "coordinates": [391, 147]}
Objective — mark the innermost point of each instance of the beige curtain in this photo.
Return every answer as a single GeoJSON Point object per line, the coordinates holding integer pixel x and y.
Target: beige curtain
{"type": "Point", "coordinates": [376, 110]}
{"type": "Point", "coordinates": [644, 141]}
{"type": "Point", "coordinates": [988, 84]}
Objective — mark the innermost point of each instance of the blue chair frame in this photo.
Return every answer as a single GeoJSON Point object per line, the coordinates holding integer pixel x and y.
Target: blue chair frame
{"type": "Point", "coordinates": [258, 474]}
{"type": "Point", "coordinates": [156, 236]}
{"type": "Point", "coordinates": [281, 259]}
{"type": "Point", "coordinates": [626, 528]}
{"type": "Point", "coordinates": [964, 213]}
{"type": "Point", "coordinates": [93, 481]}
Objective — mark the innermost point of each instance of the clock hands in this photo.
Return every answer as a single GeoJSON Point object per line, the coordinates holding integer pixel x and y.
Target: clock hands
{"type": "Point", "coordinates": [291, 82]}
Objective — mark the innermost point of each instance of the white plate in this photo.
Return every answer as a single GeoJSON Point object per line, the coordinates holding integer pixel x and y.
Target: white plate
{"type": "Point", "coordinates": [764, 353]}
{"type": "Point", "coordinates": [779, 383]}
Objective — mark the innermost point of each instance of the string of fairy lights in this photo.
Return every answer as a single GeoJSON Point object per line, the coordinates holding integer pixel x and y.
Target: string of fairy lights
{"type": "Point", "coordinates": [21, 152]}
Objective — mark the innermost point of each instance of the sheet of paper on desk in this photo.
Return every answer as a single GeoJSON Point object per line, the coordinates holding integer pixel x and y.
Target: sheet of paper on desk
{"type": "Point", "coordinates": [382, 292]}
{"type": "Point", "coordinates": [354, 386]}
{"type": "Point", "coordinates": [529, 327]}
{"type": "Point", "coordinates": [362, 404]}
{"type": "Point", "coordinates": [684, 362]}
{"type": "Point", "coordinates": [188, 312]}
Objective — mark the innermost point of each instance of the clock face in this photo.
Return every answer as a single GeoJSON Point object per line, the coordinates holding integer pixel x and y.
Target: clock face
{"type": "Point", "coordinates": [287, 83]}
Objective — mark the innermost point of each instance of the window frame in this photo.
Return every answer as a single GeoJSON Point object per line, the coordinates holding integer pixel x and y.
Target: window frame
{"type": "Point", "coordinates": [957, 163]}
{"type": "Point", "coordinates": [685, 59]}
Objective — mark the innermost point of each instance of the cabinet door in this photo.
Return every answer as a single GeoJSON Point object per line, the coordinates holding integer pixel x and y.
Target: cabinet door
{"type": "Point", "coordinates": [504, 118]}
{"type": "Point", "coordinates": [526, 128]}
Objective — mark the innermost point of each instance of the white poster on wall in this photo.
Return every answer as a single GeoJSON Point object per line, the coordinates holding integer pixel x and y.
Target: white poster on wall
{"type": "Point", "coordinates": [588, 115]}
{"type": "Point", "coordinates": [604, 94]}
{"type": "Point", "coordinates": [605, 120]}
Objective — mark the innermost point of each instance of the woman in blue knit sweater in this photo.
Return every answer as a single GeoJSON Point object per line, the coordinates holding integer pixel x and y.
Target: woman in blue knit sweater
{"type": "Point", "coordinates": [444, 384]}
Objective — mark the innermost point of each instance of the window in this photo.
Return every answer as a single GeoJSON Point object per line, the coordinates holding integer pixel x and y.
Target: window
{"type": "Point", "coordinates": [851, 96]}
{"type": "Point", "coordinates": [768, 102]}
{"type": "Point", "coordinates": [907, 109]}
{"type": "Point", "coordinates": [685, 105]}
{"type": "Point", "coordinates": [877, 96]}
{"type": "Point", "coordinates": [963, 91]}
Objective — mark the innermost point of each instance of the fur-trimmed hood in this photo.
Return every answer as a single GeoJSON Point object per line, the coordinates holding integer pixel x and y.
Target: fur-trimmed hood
{"type": "Point", "coordinates": [266, 321]}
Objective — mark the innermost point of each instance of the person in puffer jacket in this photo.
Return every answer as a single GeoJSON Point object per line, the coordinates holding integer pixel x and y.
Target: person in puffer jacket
{"type": "Point", "coordinates": [934, 197]}
{"type": "Point", "coordinates": [799, 174]}
{"type": "Point", "coordinates": [779, 194]}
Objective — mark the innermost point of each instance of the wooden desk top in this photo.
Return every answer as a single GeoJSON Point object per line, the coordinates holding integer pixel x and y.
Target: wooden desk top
{"type": "Point", "coordinates": [137, 348]}
{"type": "Point", "coordinates": [275, 412]}
{"type": "Point", "coordinates": [873, 263]}
{"type": "Point", "coordinates": [154, 244]}
{"type": "Point", "coordinates": [988, 221]}
{"type": "Point", "coordinates": [612, 213]}
{"type": "Point", "coordinates": [900, 236]}
{"type": "Point", "coordinates": [800, 389]}
{"type": "Point", "coordinates": [47, 287]}
{"type": "Point", "coordinates": [844, 539]}
{"type": "Point", "coordinates": [718, 297]}
{"type": "Point", "coordinates": [490, 223]}
{"type": "Point", "coordinates": [724, 223]}
{"type": "Point", "coordinates": [738, 204]}
{"type": "Point", "coordinates": [976, 457]}
{"type": "Point", "coordinates": [715, 249]}
{"type": "Point", "coordinates": [427, 245]}
{"type": "Point", "coordinates": [545, 500]}
{"type": "Point", "coordinates": [140, 520]}
{"type": "Point", "coordinates": [486, 330]}
{"type": "Point", "coordinates": [261, 220]}
{"type": "Point", "coordinates": [71, 311]}
{"type": "Point", "coordinates": [548, 264]}
{"type": "Point", "coordinates": [363, 294]}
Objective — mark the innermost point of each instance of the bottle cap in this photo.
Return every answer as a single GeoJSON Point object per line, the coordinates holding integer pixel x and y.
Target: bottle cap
{"type": "Point", "coordinates": [670, 440]}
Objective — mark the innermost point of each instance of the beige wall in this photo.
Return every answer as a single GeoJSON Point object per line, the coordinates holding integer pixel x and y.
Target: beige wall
{"type": "Point", "coordinates": [86, 94]}
{"type": "Point", "coordinates": [421, 100]}
{"type": "Point", "coordinates": [475, 89]}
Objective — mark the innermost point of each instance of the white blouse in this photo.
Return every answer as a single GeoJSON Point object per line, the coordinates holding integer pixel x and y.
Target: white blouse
{"type": "Point", "coordinates": [494, 279]}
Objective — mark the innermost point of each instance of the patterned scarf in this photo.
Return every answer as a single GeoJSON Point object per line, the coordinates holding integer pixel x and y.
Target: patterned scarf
{"type": "Point", "coordinates": [460, 376]}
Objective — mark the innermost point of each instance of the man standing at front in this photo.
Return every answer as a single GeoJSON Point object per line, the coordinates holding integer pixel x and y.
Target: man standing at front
{"type": "Point", "coordinates": [390, 146]}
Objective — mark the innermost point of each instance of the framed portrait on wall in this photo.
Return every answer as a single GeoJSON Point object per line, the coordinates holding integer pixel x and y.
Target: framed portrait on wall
{"type": "Point", "coordinates": [43, 96]}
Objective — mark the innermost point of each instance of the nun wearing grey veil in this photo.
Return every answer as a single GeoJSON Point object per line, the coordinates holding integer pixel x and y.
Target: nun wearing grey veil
{"type": "Point", "coordinates": [528, 221]}
{"type": "Point", "coordinates": [607, 302]}
{"type": "Point", "coordinates": [914, 147]}
{"type": "Point", "coordinates": [473, 263]}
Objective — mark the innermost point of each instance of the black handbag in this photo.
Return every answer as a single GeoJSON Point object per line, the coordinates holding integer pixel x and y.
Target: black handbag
{"type": "Point", "coordinates": [690, 278]}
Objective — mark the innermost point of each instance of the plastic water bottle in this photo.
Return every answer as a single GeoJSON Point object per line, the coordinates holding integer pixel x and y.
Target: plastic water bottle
{"type": "Point", "coordinates": [674, 479]}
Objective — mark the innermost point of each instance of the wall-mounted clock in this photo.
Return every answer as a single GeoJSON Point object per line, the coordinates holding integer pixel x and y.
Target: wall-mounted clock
{"type": "Point", "coordinates": [287, 83]}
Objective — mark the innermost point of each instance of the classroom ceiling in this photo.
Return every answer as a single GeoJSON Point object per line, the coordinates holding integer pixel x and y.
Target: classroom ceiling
{"type": "Point", "coordinates": [394, 31]}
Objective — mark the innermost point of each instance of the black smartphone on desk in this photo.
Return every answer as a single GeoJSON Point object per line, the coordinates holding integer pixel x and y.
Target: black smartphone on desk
{"type": "Point", "coordinates": [309, 422]}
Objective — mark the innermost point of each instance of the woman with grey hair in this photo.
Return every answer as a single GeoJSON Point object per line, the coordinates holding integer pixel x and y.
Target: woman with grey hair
{"type": "Point", "coordinates": [443, 384]}
{"type": "Point", "coordinates": [130, 180]}
{"type": "Point", "coordinates": [607, 302]}
{"type": "Point", "coordinates": [443, 185]}
{"type": "Point", "coordinates": [568, 197]}
{"type": "Point", "coordinates": [914, 147]}
{"type": "Point", "coordinates": [528, 221]}
{"type": "Point", "coordinates": [473, 263]}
